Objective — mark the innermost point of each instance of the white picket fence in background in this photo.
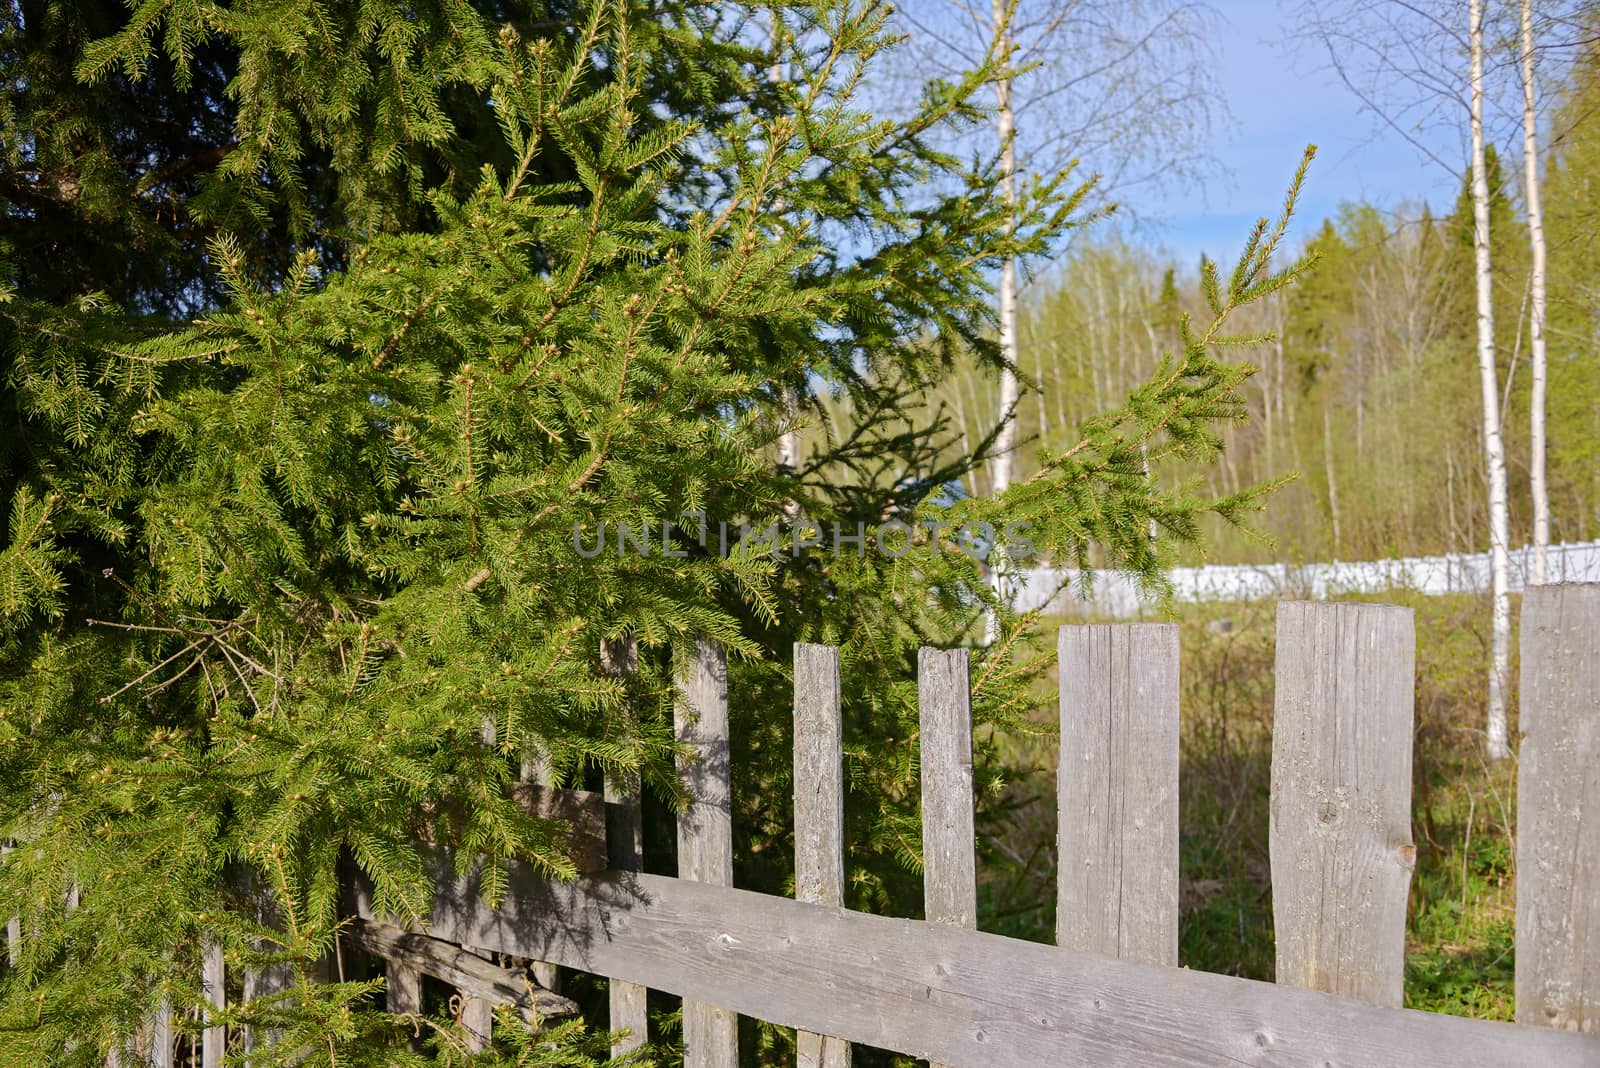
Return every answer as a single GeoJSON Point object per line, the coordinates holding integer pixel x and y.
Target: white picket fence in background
{"type": "Point", "coordinates": [1117, 595]}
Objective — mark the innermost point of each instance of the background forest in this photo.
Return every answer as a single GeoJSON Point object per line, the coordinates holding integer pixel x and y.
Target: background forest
{"type": "Point", "coordinates": [1368, 393]}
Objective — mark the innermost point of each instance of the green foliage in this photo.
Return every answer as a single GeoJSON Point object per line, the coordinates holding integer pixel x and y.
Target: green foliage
{"type": "Point", "coordinates": [94, 179]}
{"type": "Point", "coordinates": [296, 577]}
{"type": "Point", "coordinates": [1572, 213]}
{"type": "Point", "coordinates": [1172, 420]}
{"type": "Point", "coordinates": [30, 577]}
{"type": "Point", "coordinates": [1368, 395]}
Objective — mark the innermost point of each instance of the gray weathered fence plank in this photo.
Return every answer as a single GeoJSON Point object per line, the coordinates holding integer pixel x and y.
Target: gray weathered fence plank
{"type": "Point", "coordinates": [463, 969]}
{"type": "Point", "coordinates": [1340, 837]}
{"type": "Point", "coordinates": [402, 988]}
{"type": "Point", "coordinates": [161, 1037]}
{"type": "Point", "coordinates": [625, 852]}
{"type": "Point", "coordinates": [1558, 810]}
{"type": "Point", "coordinates": [475, 1015]}
{"type": "Point", "coordinates": [263, 983]}
{"type": "Point", "coordinates": [949, 858]}
{"type": "Point", "coordinates": [268, 981]}
{"type": "Point", "coordinates": [213, 980]}
{"type": "Point", "coordinates": [624, 828]}
{"type": "Point", "coordinates": [625, 845]}
{"type": "Point", "coordinates": [537, 794]}
{"type": "Point", "coordinates": [1117, 784]}
{"type": "Point", "coordinates": [705, 827]}
{"type": "Point", "coordinates": [951, 995]}
{"type": "Point", "coordinates": [949, 841]}
{"type": "Point", "coordinates": [13, 925]}
{"type": "Point", "coordinates": [477, 1021]}
{"type": "Point", "coordinates": [584, 813]}
{"type": "Point", "coordinates": [818, 810]}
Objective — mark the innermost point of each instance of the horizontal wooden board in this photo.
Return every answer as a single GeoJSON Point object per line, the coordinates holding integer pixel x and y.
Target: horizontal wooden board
{"type": "Point", "coordinates": [584, 813]}
{"type": "Point", "coordinates": [943, 993]}
{"type": "Point", "coordinates": [461, 968]}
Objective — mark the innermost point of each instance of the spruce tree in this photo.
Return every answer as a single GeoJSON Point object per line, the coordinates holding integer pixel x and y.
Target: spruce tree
{"type": "Point", "coordinates": [298, 525]}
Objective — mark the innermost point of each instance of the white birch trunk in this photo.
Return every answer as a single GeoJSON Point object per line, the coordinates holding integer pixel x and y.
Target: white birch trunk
{"type": "Point", "coordinates": [958, 399]}
{"type": "Point", "coordinates": [1536, 316]}
{"type": "Point", "coordinates": [1493, 445]}
{"type": "Point", "coordinates": [789, 447]}
{"type": "Point", "coordinates": [1006, 119]}
{"type": "Point", "coordinates": [1005, 441]}
{"type": "Point", "coordinates": [789, 437]}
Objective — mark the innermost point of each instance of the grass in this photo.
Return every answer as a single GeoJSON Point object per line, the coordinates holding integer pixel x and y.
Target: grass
{"type": "Point", "coordinates": [1462, 907]}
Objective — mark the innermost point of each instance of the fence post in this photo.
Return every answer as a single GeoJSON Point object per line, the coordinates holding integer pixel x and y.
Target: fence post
{"type": "Point", "coordinates": [1340, 835]}
{"type": "Point", "coordinates": [818, 810]}
{"type": "Point", "coordinates": [949, 857]}
{"type": "Point", "coordinates": [13, 926]}
{"type": "Point", "coordinates": [260, 983]}
{"type": "Point", "coordinates": [476, 1015]}
{"type": "Point", "coordinates": [1558, 810]}
{"type": "Point", "coordinates": [625, 852]}
{"type": "Point", "coordinates": [214, 1039]}
{"type": "Point", "coordinates": [402, 988]}
{"type": "Point", "coordinates": [705, 828]}
{"type": "Point", "coordinates": [1117, 783]}
{"type": "Point", "coordinates": [161, 1036]}
{"type": "Point", "coordinates": [536, 770]}
{"type": "Point", "coordinates": [270, 979]}
{"type": "Point", "coordinates": [477, 1018]}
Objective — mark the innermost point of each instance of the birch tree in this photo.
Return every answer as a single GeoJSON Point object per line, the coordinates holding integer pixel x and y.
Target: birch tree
{"type": "Point", "coordinates": [1401, 61]}
{"type": "Point", "coordinates": [1493, 444]}
{"type": "Point", "coordinates": [1005, 131]}
{"type": "Point", "coordinates": [1536, 301]}
{"type": "Point", "coordinates": [789, 438]}
{"type": "Point", "coordinates": [1121, 86]}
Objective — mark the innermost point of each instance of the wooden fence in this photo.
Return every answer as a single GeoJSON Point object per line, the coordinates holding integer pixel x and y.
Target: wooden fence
{"type": "Point", "coordinates": [1109, 992]}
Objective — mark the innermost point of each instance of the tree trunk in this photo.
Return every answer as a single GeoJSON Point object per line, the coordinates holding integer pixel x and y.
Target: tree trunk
{"type": "Point", "coordinates": [789, 436]}
{"type": "Point", "coordinates": [789, 446]}
{"type": "Point", "coordinates": [1450, 501]}
{"type": "Point", "coordinates": [1536, 436]}
{"type": "Point", "coordinates": [1006, 439]}
{"type": "Point", "coordinates": [1333, 485]}
{"type": "Point", "coordinates": [1493, 445]}
{"type": "Point", "coordinates": [1099, 364]}
{"type": "Point", "coordinates": [1272, 398]}
{"type": "Point", "coordinates": [1039, 364]}
{"type": "Point", "coordinates": [1060, 387]}
{"type": "Point", "coordinates": [966, 442]}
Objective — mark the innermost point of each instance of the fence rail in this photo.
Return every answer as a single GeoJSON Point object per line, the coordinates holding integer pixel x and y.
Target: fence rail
{"type": "Point", "coordinates": [1107, 994]}
{"type": "Point", "coordinates": [950, 994]}
{"type": "Point", "coordinates": [1117, 594]}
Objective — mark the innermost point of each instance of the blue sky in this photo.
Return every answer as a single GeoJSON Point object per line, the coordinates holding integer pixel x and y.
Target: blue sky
{"type": "Point", "coordinates": [1282, 97]}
